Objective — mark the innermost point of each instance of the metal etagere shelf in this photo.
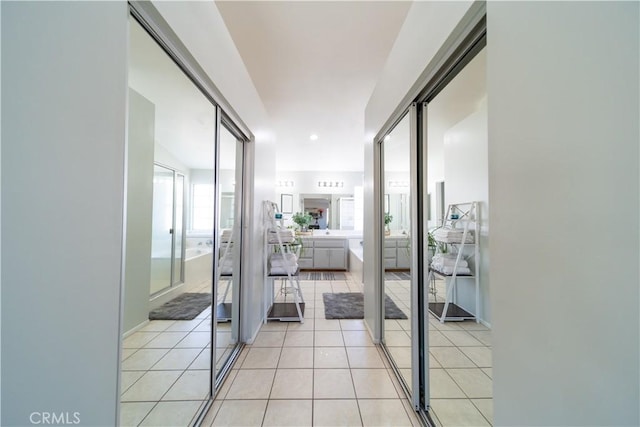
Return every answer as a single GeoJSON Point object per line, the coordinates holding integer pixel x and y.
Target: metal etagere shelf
{"type": "Point", "coordinates": [459, 233]}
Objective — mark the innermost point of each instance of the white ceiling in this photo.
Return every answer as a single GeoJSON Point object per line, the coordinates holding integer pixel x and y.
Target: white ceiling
{"type": "Point", "coordinates": [315, 65]}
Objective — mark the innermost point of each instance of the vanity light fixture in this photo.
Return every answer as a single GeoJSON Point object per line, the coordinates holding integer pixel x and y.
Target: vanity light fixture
{"type": "Point", "coordinates": [332, 184]}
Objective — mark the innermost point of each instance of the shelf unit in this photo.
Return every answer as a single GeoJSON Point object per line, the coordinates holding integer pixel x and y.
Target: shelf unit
{"type": "Point", "coordinates": [460, 217]}
{"type": "Point", "coordinates": [225, 261]}
{"type": "Point", "coordinates": [285, 310]}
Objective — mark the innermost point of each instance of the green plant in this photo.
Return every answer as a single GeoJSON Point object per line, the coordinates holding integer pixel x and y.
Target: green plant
{"type": "Point", "coordinates": [302, 219]}
{"type": "Point", "coordinates": [387, 219]}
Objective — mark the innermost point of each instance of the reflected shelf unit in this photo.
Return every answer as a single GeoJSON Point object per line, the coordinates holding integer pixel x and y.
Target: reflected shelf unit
{"type": "Point", "coordinates": [458, 233]}
{"type": "Point", "coordinates": [284, 302]}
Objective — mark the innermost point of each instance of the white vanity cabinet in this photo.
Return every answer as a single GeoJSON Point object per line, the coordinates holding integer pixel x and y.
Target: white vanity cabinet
{"type": "Point", "coordinates": [397, 254]}
{"type": "Point", "coordinates": [320, 253]}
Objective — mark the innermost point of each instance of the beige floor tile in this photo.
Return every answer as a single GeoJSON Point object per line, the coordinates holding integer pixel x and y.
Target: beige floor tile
{"type": "Point", "coordinates": [292, 384]}
{"type": "Point", "coordinates": [485, 406]}
{"type": "Point", "coordinates": [330, 357]}
{"type": "Point", "coordinates": [473, 382]}
{"type": "Point", "coordinates": [401, 356]}
{"type": "Point", "coordinates": [274, 325]}
{"type": "Point", "coordinates": [240, 413]}
{"type": "Point", "coordinates": [397, 339]}
{"type": "Point", "coordinates": [451, 357]}
{"type": "Point", "coordinates": [296, 357]}
{"type": "Point", "coordinates": [458, 412]}
{"type": "Point", "coordinates": [406, 376]}
{"type": "Point", "coordinates": [177, 358]}
{"type": "Point", "coordinates": [352, 325]}
{"type": "Point", "coordinates": [192, 385]}
{"type": "Point", "coordinates": [357, 339]}
{"type": "Point", "coordinates": [388, 412]}
{"type": "Point", "coordinates": [364, 357]}
{"type": "Point", "coordinates": [195, 340]}
{"type": "Point", "coordinates": [138, 339]}
{"type": "Point", "coordinates": [488, 372]}
{"type": "Point", "coordinates": [481, 356]}
{"type": "Point", "coordinates": [392, 325]}
{"type": "Point", "coordinates": [435, 324]}
{"type": "Point", "coordinates": [441, 385]}
{"type": "Point", "coordinates": [224, 339]}
{"type": "Point", "coordinates": [269, 339]}
{"type": "Point", "coordinates": [327, 324]}
{"type": "Point", "coordinates": [143, 359]}
{"type": "Point", "coordinates": [433, 363]}
{"type": "Point", "coordinates": [172, 413]}
{"type": "Point", "coordinates": [132, 413]}
{"type": "Point", "coordinates": [332, 384]}
{"type": "Point", "coordinates": [461, 338]}
{"type": "Point", "coordinates": [127, 352]}
{"type": "Point", "coordinates": [157, 326]}
{"type": "Point", "coordinates": [295, 413]}
{"type": "Point", "coordinates": [298, 339]}
{"type": "Point", "coordinates": [437, 339]}
{"type": "Point", "coordinates": [128, 378]}
{"type": "Point", "coordinates": [184, 325]}
{"type": "Point", "coordinates": [226, 385]}
{"type": "Point", "coordinates": [203, 361]}
{"type": "Point", "coordinates": [336, 413]}
{"type": "Point", "coordinates": [205, 326]}
{"type": "Point", "coordinates": [471, 325]}
{"type": "Point", "coordinates": [308, 325]}
{"type": "Point", "coordinates": [483, 336]}
{"type": "Point", "coordinates": [151, 386]}
{"type": "Point", "coordinates": [262, 358]}
{"type": "Point", "coordinates": [252, 384]}
{"type": "Point", "coordinates": [328, 339]}
{"type": "Point", "coordinates": [373, 384]}
{"type": "Point", "coordinates": [211, 414]}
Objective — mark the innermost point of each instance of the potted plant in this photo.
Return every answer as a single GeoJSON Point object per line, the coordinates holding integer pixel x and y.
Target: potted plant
{"type": "Point", "coordinates": [387, 220]}
{"type": "Point", "coordinates": [302, 220]}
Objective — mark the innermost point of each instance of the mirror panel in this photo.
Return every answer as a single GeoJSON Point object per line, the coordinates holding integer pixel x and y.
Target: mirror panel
{"type": "Point", "coordinates": [396, 283]}
{"type": "Point", "coordinates": [166, 357]}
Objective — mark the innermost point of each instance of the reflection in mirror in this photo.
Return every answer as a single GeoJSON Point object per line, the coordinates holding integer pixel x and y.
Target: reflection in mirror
{"type": "Point", "coordinates": [166, 357]}
{"type": "Point", "coordinates": [228, 271]}
{"type": "Point", "coordinates": [396, 284]}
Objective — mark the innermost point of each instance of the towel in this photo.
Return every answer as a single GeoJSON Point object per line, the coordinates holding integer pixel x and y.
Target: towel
{"type": "Point", "coordinates": [448, 260]}
{"type": "Point", "coordinates": [286, 235]}
{"type": "Point", "coordinates": [449, 270]}
{"type": "Point", "coordinates": [452, 235]}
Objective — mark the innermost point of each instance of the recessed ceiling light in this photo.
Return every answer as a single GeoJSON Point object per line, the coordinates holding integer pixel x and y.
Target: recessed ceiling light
{"type": "Point", "coordinates": [313, 137]}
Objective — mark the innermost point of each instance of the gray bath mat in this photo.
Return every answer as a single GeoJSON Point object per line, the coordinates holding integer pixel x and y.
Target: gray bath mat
{"type": "Point", "coordinates": [183, 307]}
{"type": "Point", "coordinates": [350, 305]}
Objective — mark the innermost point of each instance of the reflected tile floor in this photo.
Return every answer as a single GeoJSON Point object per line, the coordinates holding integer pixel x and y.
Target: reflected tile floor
{"type": "Point", "coordinates": [165, 370]}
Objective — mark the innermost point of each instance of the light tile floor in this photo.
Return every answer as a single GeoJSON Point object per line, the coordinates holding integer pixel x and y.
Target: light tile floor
{"type": "Point", "coordinates": [165, 369]}
{"type": "Point", "coordinates": [322, 372]}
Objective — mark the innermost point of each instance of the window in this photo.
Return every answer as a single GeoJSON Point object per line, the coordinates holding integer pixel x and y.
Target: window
{"type": "Point", "coordinates": [202, 207]}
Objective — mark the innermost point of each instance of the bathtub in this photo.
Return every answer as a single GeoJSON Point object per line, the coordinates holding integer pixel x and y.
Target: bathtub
{"type": "Point", "coordinates": [198, 266]}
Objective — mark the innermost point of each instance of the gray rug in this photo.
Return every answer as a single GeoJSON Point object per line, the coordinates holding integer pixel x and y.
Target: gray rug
{"type": "Point", "coordinates": [322, 275]}
{"type": "Point", "coordinates": [183, 307]}
{"type": "Point", "coordinates": [350, 305]}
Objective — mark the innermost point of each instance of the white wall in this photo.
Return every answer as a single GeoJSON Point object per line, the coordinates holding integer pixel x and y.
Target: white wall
{"type": "Point", "coordinates": [426, 27]}
{"type": "Point", "coordinates": [564, 189]}
{"type": "Point", "coordinates": [141, 119]}
{"type": "Point", "coordinates": [64, 68]}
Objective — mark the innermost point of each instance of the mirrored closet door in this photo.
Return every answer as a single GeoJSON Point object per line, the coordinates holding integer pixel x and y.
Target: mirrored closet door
{"type": "Point", "coordinates": [166, 368]}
